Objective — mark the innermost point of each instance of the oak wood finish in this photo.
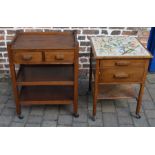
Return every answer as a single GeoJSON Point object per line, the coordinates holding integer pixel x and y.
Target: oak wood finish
{"type": "Point", "coordinates": [60, 56]}
{"type": "Point", "coordinates": [112, 91]}
{"type": "Point", "coordinates": [38, 40]}
{"type": "Point", "coordinates": [112, 74]}
{"type": "Point", "coordinates": [54, 94]}
{"type": "Point", "coordinates": [45, 75]}
{"type": "Point", "coordinates": [27, 57]}
{"type": "Point", "coordinates": [95, 94]}
{"type": "Point", "coordinates": [48, 72]}
{"type": "Point", "coordinates": [122, 63]}
{"type": "Point", "coordinates": [121, 74]}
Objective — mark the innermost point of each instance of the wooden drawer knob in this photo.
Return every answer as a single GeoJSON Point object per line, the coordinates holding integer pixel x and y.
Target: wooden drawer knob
{"type": "Point", "coordinates": [27, 57]}
{"type": "Point", "coordinates": [122, 63]}
{"type": "Point", "coordinates": [121, 76]}
{"type": "Point", "coordinates": [59, 57]}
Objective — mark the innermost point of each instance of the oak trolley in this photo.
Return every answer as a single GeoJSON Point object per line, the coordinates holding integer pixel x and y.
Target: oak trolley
{"type": "Point", "coordinates": [116, 62]}
{"type": "Point", "coordinates": [48, 69]}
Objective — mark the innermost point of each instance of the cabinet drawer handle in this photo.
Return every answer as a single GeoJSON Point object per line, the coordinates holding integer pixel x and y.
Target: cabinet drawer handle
{"type": "Point", "coordinates": [122, 63]}
{"type": "Point", "coordinates": [121, 76]}
{"type": "Point", "coordinates": [59, 57]}
{"type": "Point", "coordinates": [27, 57]}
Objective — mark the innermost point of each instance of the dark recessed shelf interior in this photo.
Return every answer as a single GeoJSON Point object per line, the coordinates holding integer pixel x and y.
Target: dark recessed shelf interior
{"type": "Point", "coordinates": [46, 93]}
{"type": "Point", "coordinates": [45, 73]}
{"type": "Point", "coordinates": [116, 91]}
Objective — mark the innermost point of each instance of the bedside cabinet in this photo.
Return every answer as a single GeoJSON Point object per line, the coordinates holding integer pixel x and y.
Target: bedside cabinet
{"type": "Point", "coordinates": [48, 69]}
{"type": "Point", "coordinates": [117, 62]}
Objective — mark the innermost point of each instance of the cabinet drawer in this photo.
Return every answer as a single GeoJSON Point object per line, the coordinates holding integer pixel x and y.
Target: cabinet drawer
{"type": "Point", "coordinates": [122, 63]}
{"type": "Point", "coordinates": [27, 57]}
{"type": "Point", "coordinates": [59, 56]}
{"type": "Point", "coordinates": [127, 74]}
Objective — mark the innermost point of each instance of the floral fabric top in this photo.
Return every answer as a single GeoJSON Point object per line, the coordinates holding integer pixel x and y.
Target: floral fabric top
{"type": "Point", "coordinates": [118, 46]}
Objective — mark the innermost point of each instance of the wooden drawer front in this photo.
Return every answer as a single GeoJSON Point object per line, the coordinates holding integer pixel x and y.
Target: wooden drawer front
{"type": "Point", "coordinates": [27, 57]}
{"type": "Point", "coordinates": [122, 63]}
{"type": "Point", "coordinates": [59, 56]}
{"type": "Point", "coordinates": [121, 75]}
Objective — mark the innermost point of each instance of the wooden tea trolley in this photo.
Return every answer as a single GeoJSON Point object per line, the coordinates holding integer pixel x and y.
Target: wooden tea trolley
{"type": "Point", "coordinates": [48, 69]}
{"type": "Point", "coordinates": [116, 62]}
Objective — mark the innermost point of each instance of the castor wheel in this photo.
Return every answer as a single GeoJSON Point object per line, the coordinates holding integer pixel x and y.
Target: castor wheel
{"type": "Point", "coordinates": [76, 115]}
{"type": "Point", "coordinates": [20, 116]}
{"type": "Point", "coordinates": [137, 116]}
{"type": "Point", "coordinates": [93, 118]}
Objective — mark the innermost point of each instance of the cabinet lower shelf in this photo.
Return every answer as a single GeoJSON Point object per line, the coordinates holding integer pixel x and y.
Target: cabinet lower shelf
{"type": "Point", "coordinates": [116, 91]}
{"type": "Point", "coordinates": [46, 95]}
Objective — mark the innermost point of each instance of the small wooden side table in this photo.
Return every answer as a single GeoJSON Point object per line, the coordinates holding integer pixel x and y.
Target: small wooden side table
{"type": "Point", "coordinates": [116, 62]}
{"type": "Point", "coordinates": [48, 69]}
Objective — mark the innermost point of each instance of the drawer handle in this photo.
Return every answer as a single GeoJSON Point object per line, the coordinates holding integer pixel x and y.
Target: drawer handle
{"type": "Point", "coordinates": [27, 57]}
{"type": "Point", "coordinates": [59, 57]}
{"type": "Point", "coordinates": [121, 76]}
{"type": "Point", "coordinates": [122, 63]}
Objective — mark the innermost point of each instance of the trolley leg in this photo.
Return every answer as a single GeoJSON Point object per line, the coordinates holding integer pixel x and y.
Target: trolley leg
{"type": "Point", "coordinates": [94, 108]}
{"type": "Point", "coordinates": [95, 88]}
{"type": "Point", "coordinates": [139, 101]}
{"type": "Point", "coordinates": [75, 106]}
{"type": "Point", "coordinates": [15, 91]}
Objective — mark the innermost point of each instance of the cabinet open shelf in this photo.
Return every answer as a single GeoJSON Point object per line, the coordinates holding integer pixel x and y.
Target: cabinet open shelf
{"type": "Point", "coordinates": [45, 75]}
{"type": "Point", "coordinates": [116, 91]}
{"type": "Point", "coordinates": [46, 95]}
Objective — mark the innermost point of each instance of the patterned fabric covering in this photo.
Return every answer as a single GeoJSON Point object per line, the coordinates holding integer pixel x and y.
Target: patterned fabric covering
{"type": "Point", "coordinates": [118, 46]}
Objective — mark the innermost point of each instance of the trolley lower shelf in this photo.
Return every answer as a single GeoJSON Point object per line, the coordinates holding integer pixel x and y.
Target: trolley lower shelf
{"type": "Point", "coordinates": [116, 91]}
{"type": "Point", "coordinates": [46, 95]}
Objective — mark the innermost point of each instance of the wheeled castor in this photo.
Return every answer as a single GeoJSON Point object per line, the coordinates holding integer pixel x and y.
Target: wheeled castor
{"type": "Point", "coordinates": [20, 116]}
{"type": "Point", "coordinates": [135, 115]}
{"type": "Point", "coordinates": [93, 118]}
{"type": "Point", "coordinates": [75, 114]}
